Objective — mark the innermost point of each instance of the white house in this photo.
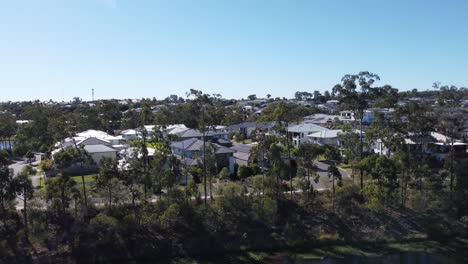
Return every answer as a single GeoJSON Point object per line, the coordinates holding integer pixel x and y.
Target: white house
{"type": "Point", "coordinates": [327, 137]}
{"type": "Point", "coordinates": [299, 133]}
{"type": "Point", "coordinates": [100, 135]}
{"type": "Point", "coordinates": [98, 152]}
{"type": "Point", "coordinates": [130, 134]}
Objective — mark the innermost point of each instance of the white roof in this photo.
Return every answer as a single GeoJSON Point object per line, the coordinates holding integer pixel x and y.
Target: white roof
{"type": "Point", "coordinates": [178, 130]}
{"type": "Point", "coordinates": [441, 138]}
{"type": "Point", "coordinates": [22, 121]}
{"type": "Point", "coordinates": [98, 149]}
{"type": "Point", "coordinates": [80, 137]}
{"type": "Point", "coordinates": [149, 128]}
{"type": "Point", "coordinates": [97, 134]}
{"type": "Point", "coordinates": [326, 133]}
{"type": "Point", "coordinates": [448, 144]}
{"type": "Point", "coordinates": [129, 132]}
{"type": "Point", "coordinates": [306, 127]}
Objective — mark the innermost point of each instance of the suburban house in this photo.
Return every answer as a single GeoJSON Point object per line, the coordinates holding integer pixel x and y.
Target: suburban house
{"type": "Point", "coordinates": [435, 145]}
{"type": "Point", "coordinates": [246, 128]}
{"type": "Point", "coordinates": [190, 151]}
{"type": "Point", "coordinates": [98, 152]}
{"type": "Point", "coordinates": [175, 129]}
{"type": "Point", "coordinates": [114, 140]}
{"type": "Point", "coordinates": [330, 106]}
{"type": "Point", "coordinates": [97, 144]}
{"type": "Point", "coordinates": [127, 154]}
{"type": "Point", "coordinates": [321, 119]}
{"type": "Point", "coordinates": [328, 120]}
{"type": "Point", "coordinates": [209, 135]}
{"type": "Point", "coordinates": [242, 154]}
{"type": "Point", "coordinates": [299, 133]}
{"type": "Point", "coordinates": [327, 137]}
{"type": "Point", "coordinates": [347, 116]}
{"type": "Point", "coordinates": [370, 114]}
{"type": "Point", "coordinates": [131, 134]}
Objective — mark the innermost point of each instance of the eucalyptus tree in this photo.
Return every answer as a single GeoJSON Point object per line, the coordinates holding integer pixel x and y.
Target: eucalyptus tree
{"type": "Point", "coordinates": [334, 173]}
{"type": "Point", "coordinates": [107, 177]}
{"type": "Point", "coordinates": [211, 165]}
{"type": "Point", "coordinates": [276, 164]}
{"type": "Point", "coordinates": [283, 117]}
{"type": "Point", "coordinates": [306, 154]}
{"type": "Point", "coordinates": [24, 190]}
{"type": "Point", "coordinates": [7, 191]}
{"type": "Point", "coordinates": [415, 121]}
{"type": "Point", "coordinates": [451, 120]}
{"type": "Point", "coordinates": [71, 156]}
{"type": "Point", "coordinates": [354, 92]}
{"type": "Point", "coordinates": [129, 177]}
{"type": "Point", "coordinates": [7, 130]}
{"type": "Point", "coordinates": [143, 154]}
{"type": "Point", "coordinates": [203, 107]}
{"type": "Point", "coordinates": [59, 191]}
{"type": "Point", "coordinates": [158, 166]}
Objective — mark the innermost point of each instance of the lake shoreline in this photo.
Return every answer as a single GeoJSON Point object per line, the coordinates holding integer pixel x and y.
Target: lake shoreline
{"type": "Point", "coordinates": [340, 250]}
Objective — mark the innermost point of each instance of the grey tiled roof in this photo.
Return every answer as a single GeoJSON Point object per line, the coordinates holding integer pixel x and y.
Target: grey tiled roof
{"type": "Point", "coordinates": [194, 144]}
{"type": "Point", "coordinates": [98, 149]}
{"type": "Point", "coordinates": [242, 148]}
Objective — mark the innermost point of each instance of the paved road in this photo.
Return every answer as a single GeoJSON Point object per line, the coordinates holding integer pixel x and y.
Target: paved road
{"type": "Point", "coordinates": [322, 171]}
{"type": "Point", "coordinates": [17, 167]}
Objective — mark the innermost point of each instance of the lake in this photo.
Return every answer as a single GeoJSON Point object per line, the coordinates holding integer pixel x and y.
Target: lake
{"type": "Point", "coordinates": [404, 258]}
{"type": "Point", "coordinates": [5, 144]}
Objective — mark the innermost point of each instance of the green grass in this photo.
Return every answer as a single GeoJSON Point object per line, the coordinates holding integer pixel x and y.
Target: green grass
{"type": "Point", "coordinates": [367, 249]}
{"type": "Point", "coordinates": [87, 178]}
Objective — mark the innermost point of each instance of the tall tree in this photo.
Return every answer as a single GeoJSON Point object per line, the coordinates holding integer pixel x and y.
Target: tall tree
{"type": "Point", "coordinates": [205, 106]}
{"type": "Point", "coordinates": [107, 177]}
{"type": "Point", "coordinates": [306, 155]}
{"type": "Point", "coordinates": [24, 189]}
{"type": "Point", "coordinates": [334, 173]}
{"type": "Point", "coordinates": [451, 120]}
{"type": "Point", "coordinates": [7, 193]}
{"type": "Point", "coordinates": [354, 92]}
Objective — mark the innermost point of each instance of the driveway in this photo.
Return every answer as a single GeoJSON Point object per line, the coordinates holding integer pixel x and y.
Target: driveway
{"type": "Point", "coordinates": [325, 182]}
{"type": "Point", "coordinates": [17, 166]}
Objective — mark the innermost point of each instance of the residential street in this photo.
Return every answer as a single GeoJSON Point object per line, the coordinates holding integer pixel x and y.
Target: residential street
{"type": "Point", "coordinates": [322, 170]}
{"type": "Point", "coordinates": [17, 167]}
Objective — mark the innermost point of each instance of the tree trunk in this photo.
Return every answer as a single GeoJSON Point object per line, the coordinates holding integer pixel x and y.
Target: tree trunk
{"type": "Point", "coordinates": [290, 163]}
{"type": "Point", "coordinates": [2, 204]}
{"type": "Point", "coordinates": [204, 166]}
{"type": "Point", "coordinates": [62, 196]}
{"type": "Point", "coordinates": [362, 150]}
{"type": "Point", "coordinates": [82, 180]}
{"type": "Point", "coordinates": [451, 170]}
{"type": "Point", "coordinates": [25, 215]}
{"type": "Point", "coordinates": [308, 185]}
{"type": "Point", "coordinates": [333, 192]}
{"type": "Point", "coordinates": [85, 199]}
{"type": "Point", "coordinates": [211, 192]}
{"type": "Point", "coordinates": [110, 199]}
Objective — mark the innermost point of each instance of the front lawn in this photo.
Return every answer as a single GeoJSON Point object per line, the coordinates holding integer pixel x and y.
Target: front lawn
{"type": "Point", "coordinates": [87, 178]}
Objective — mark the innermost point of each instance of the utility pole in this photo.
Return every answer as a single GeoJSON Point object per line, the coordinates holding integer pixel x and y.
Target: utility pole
{"type": "Point", "coordinates": [92, 94]}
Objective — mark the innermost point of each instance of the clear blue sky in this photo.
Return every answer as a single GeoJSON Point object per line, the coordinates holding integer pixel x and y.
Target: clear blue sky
{"type": "Point", "coordinates": [60, 49]}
